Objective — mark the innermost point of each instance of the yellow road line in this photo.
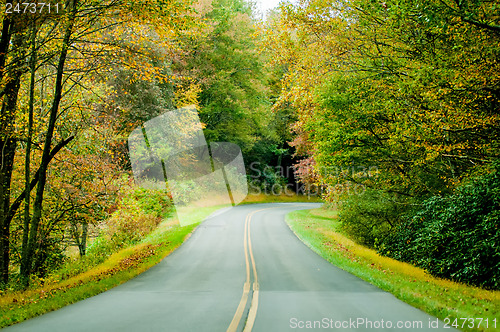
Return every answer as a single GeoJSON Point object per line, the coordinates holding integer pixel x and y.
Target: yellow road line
{"type": "Point", "coordinates": [255, 296]}
{"type": "Point", "coordinates": [247, 244]}
{"type": "Point", "coordinates": [252, 314]}
{"type": "Point", "coordinates": [246, 287]}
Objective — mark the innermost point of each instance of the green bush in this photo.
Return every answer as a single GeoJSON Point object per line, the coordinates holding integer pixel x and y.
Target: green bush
{"type": "Point", "coordinates": [455, 237]}
{"type": "Point", "coordinates": [369, 217]}
{"type": "Point", "coordinates": [150, 201]}
{"type": "Point", "coordinates": [185, 191]}
{"type": "Point", "coordinates": [100, 248]}
{"type": "Point", "coordinates": [48, 256]}
{"type": "Point", "coordinates": [139, 212]}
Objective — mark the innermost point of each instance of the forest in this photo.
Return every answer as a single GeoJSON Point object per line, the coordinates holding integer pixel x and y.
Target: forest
{"type": "Point", "coordinates": [389, 110]}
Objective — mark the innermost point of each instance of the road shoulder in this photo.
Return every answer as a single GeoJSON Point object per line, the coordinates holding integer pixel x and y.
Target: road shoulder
{"type": "Point", "coordinates": [444, 299]}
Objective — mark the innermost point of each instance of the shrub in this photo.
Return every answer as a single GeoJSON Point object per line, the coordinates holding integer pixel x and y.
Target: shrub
{"type": "Point", "coordinates": [99, 249]}
{"type": "Point", "coordinates": [139, 212]}
{"type": "Point", "coordinates": [369, 217]}
{"type": "Point", "coordinates": [48, 256]}
{"type": "Point", "coordinates": [97, 252]}
{"type": "Point", "coordinates": [457, 236]}
{"type": "Point", "coordinates": [185, 191]}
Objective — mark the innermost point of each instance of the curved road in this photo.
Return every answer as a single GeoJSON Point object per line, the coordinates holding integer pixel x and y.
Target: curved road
{"type": "Point", "coordinates": [242, 269]}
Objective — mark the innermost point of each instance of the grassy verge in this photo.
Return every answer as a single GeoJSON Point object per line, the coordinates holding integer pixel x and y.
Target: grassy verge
{"type": "Point", "coordinates": [319, 229]}
{"type": "Point", "coordinates": [117, 269]}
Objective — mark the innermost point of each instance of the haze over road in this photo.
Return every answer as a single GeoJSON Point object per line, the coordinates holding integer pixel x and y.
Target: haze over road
{"type": "Point", "coordinates": [241, 269]}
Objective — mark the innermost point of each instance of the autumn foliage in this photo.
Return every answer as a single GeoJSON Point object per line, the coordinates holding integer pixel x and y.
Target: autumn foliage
{"type": "Point", "coordinates": [388, 107]}
{"type": "Point", "coordinates": [75, 83]}
{"type": "Point", "coordinates": [410, 88]}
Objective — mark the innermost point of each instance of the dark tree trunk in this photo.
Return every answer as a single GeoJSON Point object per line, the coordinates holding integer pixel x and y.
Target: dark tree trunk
{"type": "Point", "coordinates": [82, 246]}
{"type": "Point", "coordinates": [27, 170]}
{"type": "Point", "coordinates": [8, 147]}
{"type": "Point", "coordinates": [7, 143]}
{"type": "Point", "coordinates": [44, 163]}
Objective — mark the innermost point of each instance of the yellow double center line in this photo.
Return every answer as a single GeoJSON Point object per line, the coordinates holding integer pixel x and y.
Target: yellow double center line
{"type": "Point", "coordinates": [247, 243]}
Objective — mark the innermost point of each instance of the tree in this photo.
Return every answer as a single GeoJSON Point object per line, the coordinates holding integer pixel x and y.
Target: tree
{"type": "Point", "coordinates": [12, 53]}
{"type": "Point", "coordinates": [409, 89]}
{"type": "Point", "coordinates": [383, 84]}
{"type": "Point", "coordinates": [226, 68]}
{"type": "Point", "coordinates": [72, 52]}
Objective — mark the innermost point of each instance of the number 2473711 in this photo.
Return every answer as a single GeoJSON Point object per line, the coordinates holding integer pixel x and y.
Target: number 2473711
{"type": "Point", "coordinates": [31, 7]}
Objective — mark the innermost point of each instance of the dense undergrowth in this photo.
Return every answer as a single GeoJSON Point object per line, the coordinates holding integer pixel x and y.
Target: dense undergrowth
{"type": "Point", "coordinates": [88, 277]}
{"type": "Point", "coordinates": [321, 230]}
{"type": "Point", "coordinates": [454, 236]}
{"type": "Point", "coordinates": [137, 235]}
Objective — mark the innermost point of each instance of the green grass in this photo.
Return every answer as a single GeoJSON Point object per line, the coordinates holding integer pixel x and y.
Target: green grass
{"type": "Point", "coordinates": [319, 229]}
{"type": "Point", "coordinates": [118, 268]}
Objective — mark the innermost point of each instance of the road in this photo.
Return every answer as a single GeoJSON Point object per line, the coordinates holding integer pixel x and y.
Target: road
{"type": "Point", "coordinates": [242, 269]}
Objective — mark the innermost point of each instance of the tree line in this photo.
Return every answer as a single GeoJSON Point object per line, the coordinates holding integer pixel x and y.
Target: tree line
{"type": "Point", "coordinates": [410, 88]}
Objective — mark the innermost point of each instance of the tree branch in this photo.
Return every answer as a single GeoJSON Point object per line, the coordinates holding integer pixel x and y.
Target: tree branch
{"type": "Point", "coordinates": [17, 202]}
{"type": "Point", "coordinates": [494, 28]}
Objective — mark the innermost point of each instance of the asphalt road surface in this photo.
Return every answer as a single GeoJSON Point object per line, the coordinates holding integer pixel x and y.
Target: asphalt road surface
{"type": "Point", "coordinates": [241, 270]}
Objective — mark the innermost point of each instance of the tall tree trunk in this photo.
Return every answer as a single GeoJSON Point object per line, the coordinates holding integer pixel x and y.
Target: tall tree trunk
{"type": "Point", "coordinates": [27, 175]}
{"type": "Point", "coordinates": [8, 143]}
{"type": "Point", "coordinates": [6, 162]}
{"type": "Point", "coordinates": [37, 206]}
{"type": "Point", "coordinates": [8, 148]}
